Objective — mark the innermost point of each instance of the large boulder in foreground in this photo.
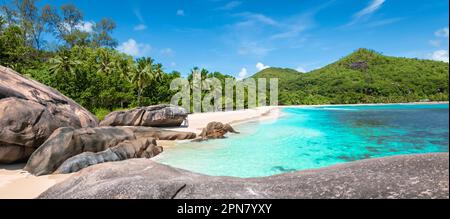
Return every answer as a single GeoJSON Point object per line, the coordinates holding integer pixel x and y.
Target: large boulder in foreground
{"type": "Point", "coordinates": [150, 116]}
{"type": "Point", "coordinates": [401, 177]}
{"type": "Point", "coordinates": [66, 143]}
{"type": "Point", "coordinates": [30, 112]}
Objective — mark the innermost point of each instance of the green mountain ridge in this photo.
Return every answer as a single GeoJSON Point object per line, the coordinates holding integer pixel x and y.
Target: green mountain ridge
{"type": "Point", "coordinates": [364, 76]}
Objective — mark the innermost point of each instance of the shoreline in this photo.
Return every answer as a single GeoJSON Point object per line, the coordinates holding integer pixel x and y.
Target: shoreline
{"type": "Point", "coordinates": [15, 183]}
{"type": "Point", "coordinates": [18, 184]}
{"type": "Point", "coordinates": [263, 114]}
{"type": "Point", "coordinates": [367, 104]}
{"type": "Point", "coordinates": [198, 121]}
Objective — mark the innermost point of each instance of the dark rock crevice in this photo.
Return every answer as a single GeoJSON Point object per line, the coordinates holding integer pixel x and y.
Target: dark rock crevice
{"type": "Point", "coordinates": [178, 191]}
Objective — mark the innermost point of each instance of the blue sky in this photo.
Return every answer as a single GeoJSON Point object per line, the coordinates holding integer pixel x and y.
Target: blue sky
{"type": "Point", "coordinates": [243, 36]}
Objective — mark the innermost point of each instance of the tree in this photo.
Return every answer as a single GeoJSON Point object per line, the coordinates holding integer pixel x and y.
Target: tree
{"type": "Point", "coordinates": [72, 16]}
{"type": "Point", "coordinates": [26, 14]}
{"type": "Point", "coordinates": [145, 74]}
{"type": "Point", "coordinates": [106, 63]}
{"type": "Point", "coordinates": [14, 52]}
{"type": "Point", "coordinates": [68, 26]}
{"type": "Point", "coordinates": [63, 63]}
{"type": "Point", "coordinates": [2, 23]}
{"type": "Point", "coordinates": [9, 15]}
{"type": "Point", "coordinates": [102, 34]}
{"type": "Point", "coordinates": [65, 25]}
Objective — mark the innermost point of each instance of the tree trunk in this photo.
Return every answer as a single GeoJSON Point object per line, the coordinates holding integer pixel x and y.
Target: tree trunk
{"type": "Point", "coordinates": [139, 97]}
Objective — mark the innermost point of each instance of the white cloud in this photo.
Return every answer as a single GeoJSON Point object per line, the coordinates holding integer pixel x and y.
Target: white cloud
{"type": "Point", "coordinates": [231, 5]}
{"type": "Point", "coordinates": [442, 32]}
{"type": "Point", "coordinates": [364, 14]}
{"type": "Point", "coordinates": [138, 15]}
{"type": "Point", "coordinates": [173, 64]}
{"type": "Point", "coordinates": [260, 66]}
{"type": "Point", "coordinates": [292, 31]}
{"type": "Point", "coordinates": [371, 8]}
{"type": "Point", "coordinates": [256, 35]}
{"type": "Point", "coordinates": [301, 69]}
{"type": "Point", "coordinates": [440, 55]}
{"type": "Point", "coordinates": [140, 27]}
{"type": "Point", "coordinates": [180, 12]}
{"type": "Point", "coordinates": [86, 26]}
{"type": "Point", "coordinates": [384, 22]}
{"type": "Point", "coordinates": [436, 43]}
{"type": "Point", "coordinates": [141, 19]}
{"type": "Point", "coordinates": [252, 18]}
{"type": "Point", "coordinates": [242, 74]}
{"type": "Point", "coordinates": [167, 52]}
{"type": "Point", "coordinates": [252, 48]}
{"type": "Point", "coordinates": [133, 48]}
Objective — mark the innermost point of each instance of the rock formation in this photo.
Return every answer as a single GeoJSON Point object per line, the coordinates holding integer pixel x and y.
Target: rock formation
{"type": "Point", "coordinates": [150, 116]}
{"type": "Point", "coordinates": [401, 177]}
{"type": "Point", "coordinates": [215, 130]}
{"type": "Point", "coordinates": [66, 143]}
{"type": "Point", "coordinates": [142, 148]}
{"type": "Point", "coordinates": [361, 65]}
{"type": "Point", "coordinates": [30, 112]}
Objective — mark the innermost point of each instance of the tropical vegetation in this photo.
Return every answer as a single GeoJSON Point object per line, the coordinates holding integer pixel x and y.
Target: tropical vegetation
{"type": "Point", "coordinates": [56, 47]}
{"type": "Point", "coordinates": [364, 76]}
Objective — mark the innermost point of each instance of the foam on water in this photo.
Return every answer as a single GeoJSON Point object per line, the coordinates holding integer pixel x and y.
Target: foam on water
{"type": "Point", "coordinates": [308, 138]}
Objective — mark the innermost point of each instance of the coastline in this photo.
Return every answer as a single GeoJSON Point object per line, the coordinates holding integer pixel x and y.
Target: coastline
{"type": "Point", "coordinates": [198, 121]}
{"type": "Point", "coordinates": [367, 104]}
{"type": "Point", "coordinates": [18, 184]}
{"type": "Point", "coordinates": [15, 183]}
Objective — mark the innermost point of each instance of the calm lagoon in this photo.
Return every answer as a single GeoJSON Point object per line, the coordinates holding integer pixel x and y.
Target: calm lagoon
{"type": "Point", "coordinates": [315, 137]}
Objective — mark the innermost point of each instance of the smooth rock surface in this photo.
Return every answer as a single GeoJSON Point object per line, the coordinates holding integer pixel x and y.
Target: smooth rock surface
{"type": "Point", "coordinates": [150, 116]}
{"type": "Point", "coordinates": [65, 143]}
{"type": "Point", "coordinates": [215, 130]}
{"type": "Point", "coordinates": [30, 112]}
{"type": "Point", "coordinates": [400, 177]}
{"type": "Point", "coordinates": [141, 148]}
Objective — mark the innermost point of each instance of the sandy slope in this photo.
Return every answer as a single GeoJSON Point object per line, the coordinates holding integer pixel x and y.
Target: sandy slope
{"type": "Point", "coordinates": [18, 184]}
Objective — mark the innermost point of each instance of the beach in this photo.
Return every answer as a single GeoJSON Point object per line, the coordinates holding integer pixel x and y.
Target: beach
{"type": "Point", "coordinates": [199, 121]}
{"type": "Point", "coordinates": [18, 184]}
{"type": "Point", "coordinates": [15, 183]}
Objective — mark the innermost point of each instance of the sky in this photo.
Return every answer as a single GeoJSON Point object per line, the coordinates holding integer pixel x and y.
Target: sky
{"type": "Point", "coordinates": [241, 37]}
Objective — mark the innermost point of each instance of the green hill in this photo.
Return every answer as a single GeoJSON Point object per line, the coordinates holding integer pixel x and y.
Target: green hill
{"type": "Point", "coordinates": [364, 76]}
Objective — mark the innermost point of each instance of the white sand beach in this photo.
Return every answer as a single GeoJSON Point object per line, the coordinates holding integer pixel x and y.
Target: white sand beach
{"type": "Point", "coordinates": [199, 121]}
{"type": "Point", "coordinates": [15, 183]}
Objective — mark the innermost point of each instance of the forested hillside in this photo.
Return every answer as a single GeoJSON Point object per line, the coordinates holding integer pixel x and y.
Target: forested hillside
{"type": "Point", "coordinates": [365, 76]}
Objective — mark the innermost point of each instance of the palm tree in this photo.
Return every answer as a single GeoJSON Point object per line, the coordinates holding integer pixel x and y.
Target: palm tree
{"type": "Point", "coordinates": [106, 63]}
{"type": "Point", "coordinates": [145, 74]}
{"type": "Point", "coordinates": [63, 63]}
{"type": "Point", "coordinates": [125, 67]}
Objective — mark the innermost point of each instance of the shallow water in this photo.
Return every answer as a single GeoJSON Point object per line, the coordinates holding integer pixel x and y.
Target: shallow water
{"type": "Point", "coordinates": [309, 138]}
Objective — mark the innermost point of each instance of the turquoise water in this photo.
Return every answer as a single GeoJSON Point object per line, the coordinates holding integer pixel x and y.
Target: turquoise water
{"type": "Point", "coordinates": [309, 138]}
